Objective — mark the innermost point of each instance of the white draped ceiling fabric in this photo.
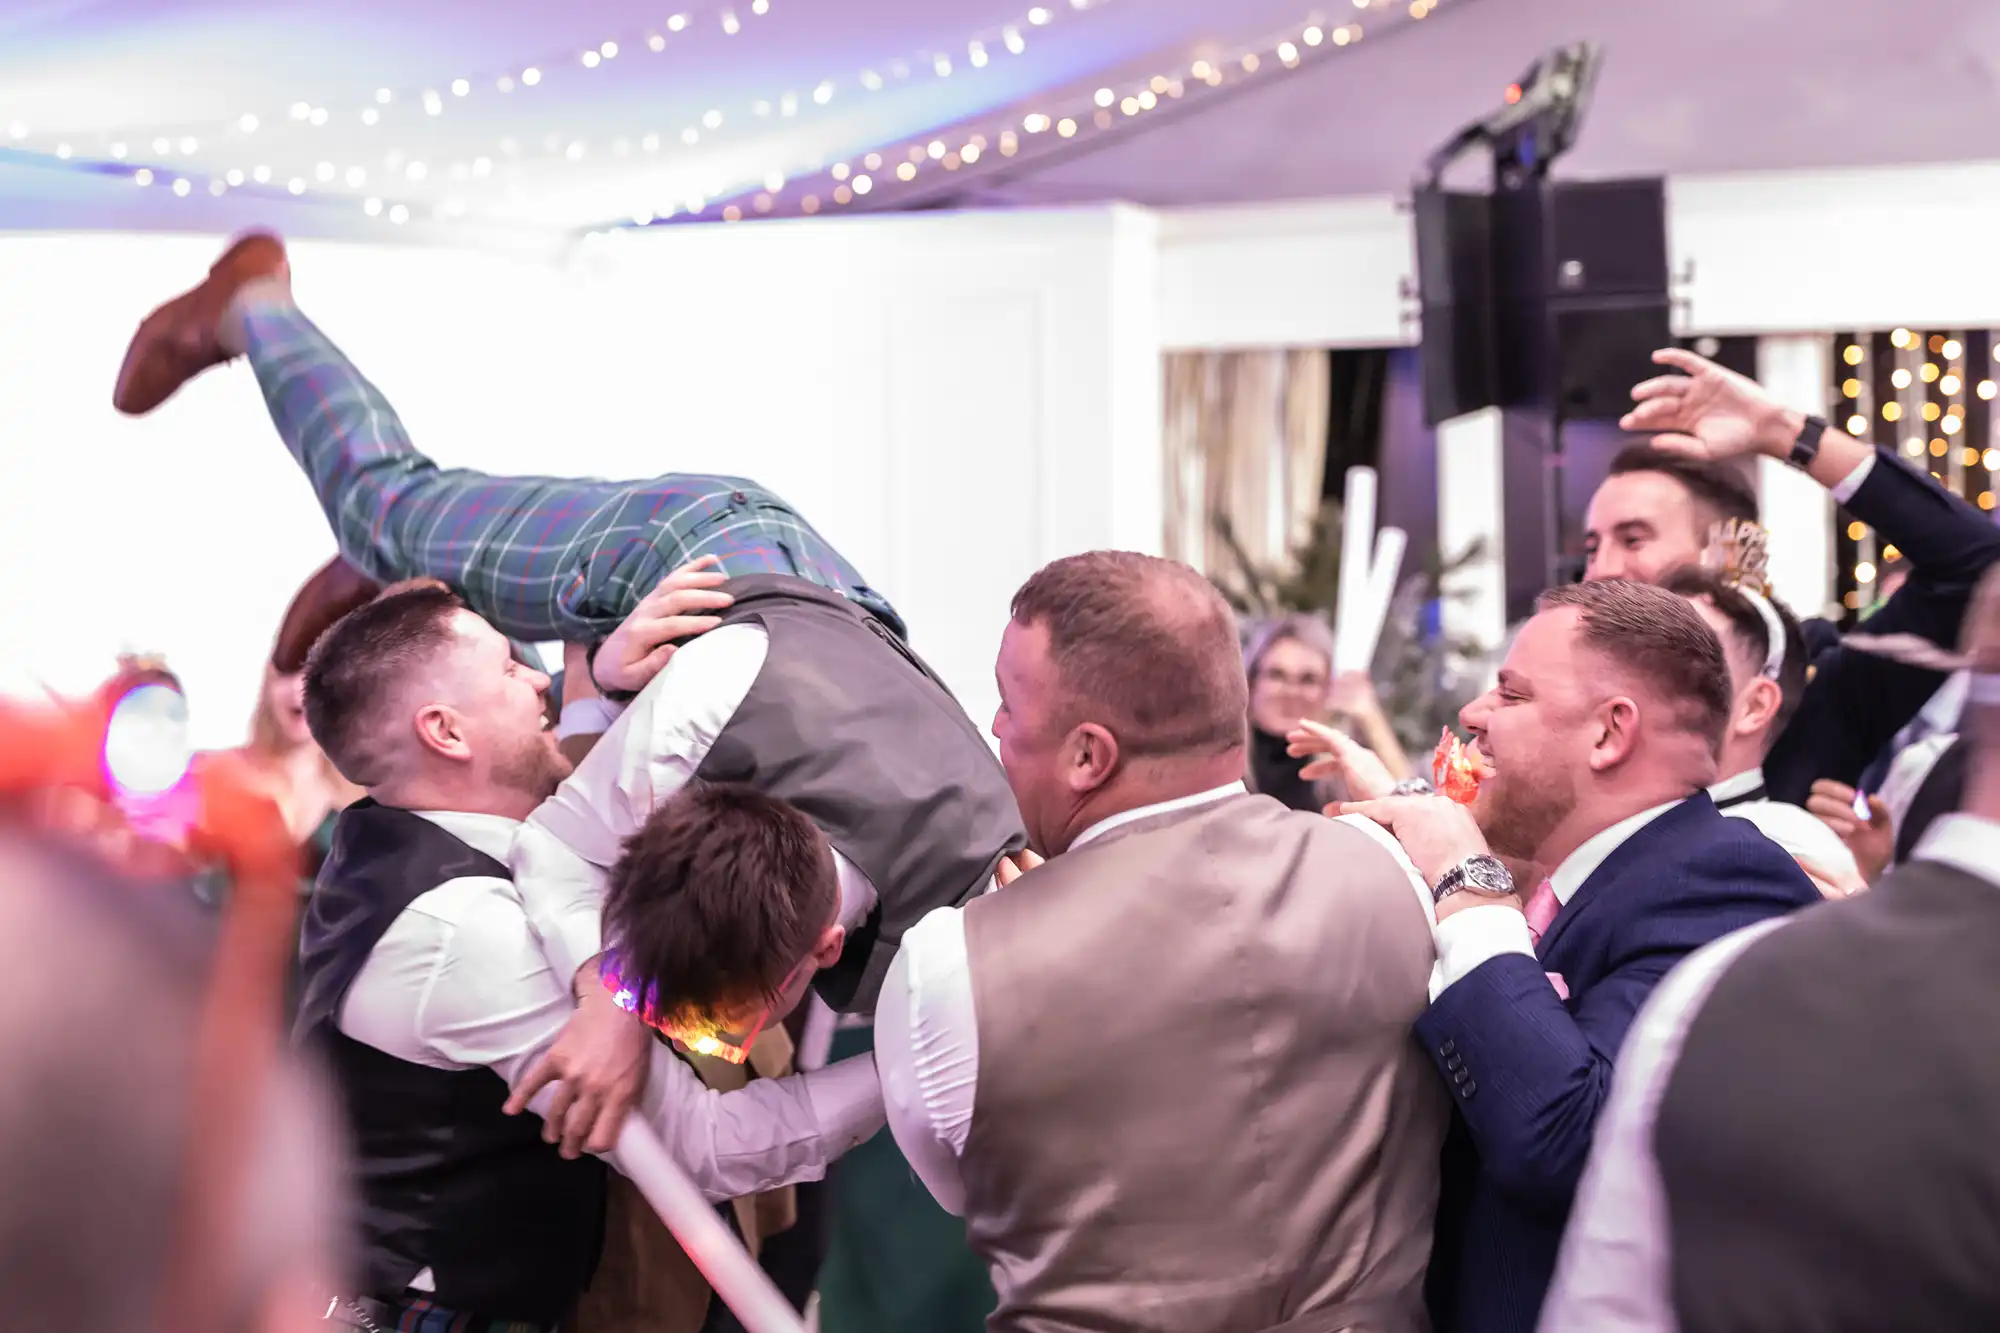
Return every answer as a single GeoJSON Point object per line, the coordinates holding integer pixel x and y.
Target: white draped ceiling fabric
{"type": "Point", "coordinates": [513, 121]}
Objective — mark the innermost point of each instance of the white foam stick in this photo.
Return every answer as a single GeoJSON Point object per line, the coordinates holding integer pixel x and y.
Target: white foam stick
{"type": "Point", "coordinates": [737, 1279]}
{"type": "Point", "coordinates": [1383, 573]}
{"type": "Point", "coordinates": [1357, 537]}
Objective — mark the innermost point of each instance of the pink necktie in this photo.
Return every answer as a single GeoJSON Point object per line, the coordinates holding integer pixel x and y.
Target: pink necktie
{"type": "Point", "coordinates": [1541, 909]}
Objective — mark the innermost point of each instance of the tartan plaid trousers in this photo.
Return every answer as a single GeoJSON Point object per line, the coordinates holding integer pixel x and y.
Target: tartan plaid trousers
{"type": "Point", "coordinates": [542, 558]}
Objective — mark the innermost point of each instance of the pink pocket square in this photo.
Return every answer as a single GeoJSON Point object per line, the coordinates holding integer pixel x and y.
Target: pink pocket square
{"type": "Point", "coordinates": [1556, 980]}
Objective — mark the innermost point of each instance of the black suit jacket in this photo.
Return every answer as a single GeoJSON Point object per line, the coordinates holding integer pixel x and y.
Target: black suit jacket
{"type": "Point", "coordinates": [1855, 702]}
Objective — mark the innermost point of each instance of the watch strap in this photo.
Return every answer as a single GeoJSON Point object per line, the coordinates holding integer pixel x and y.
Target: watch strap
{"type": "Point", "coordinates": [1450, 882]}
{"type": "Point", "coordinates": [1806, 447]}
{"type": "Point", "coordinates": [1459, 878]}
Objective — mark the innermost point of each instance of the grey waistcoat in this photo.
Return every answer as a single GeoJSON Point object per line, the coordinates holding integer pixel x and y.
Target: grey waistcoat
{"type": "Point", "coordinates": [1826, 1137]}
{"type": "Point", "coordinates": [849, 725]}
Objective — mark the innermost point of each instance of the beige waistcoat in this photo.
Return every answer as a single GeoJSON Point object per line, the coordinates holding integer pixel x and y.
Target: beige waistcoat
{"type": "Point", "coordinates": [1200, 1107]}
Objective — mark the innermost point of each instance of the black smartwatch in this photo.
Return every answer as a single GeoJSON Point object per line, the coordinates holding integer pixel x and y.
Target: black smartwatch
{"type": "Point", "coordinates": [1806, 447]}
{"type": "Point", "coordinates": [1478, 874]}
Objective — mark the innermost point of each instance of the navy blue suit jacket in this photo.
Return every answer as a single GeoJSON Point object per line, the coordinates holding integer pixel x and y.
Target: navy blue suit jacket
{"type": "Point", "coordinates": [1856, 702]}
{"type": "Point", "coordinates": [1528, 1070]}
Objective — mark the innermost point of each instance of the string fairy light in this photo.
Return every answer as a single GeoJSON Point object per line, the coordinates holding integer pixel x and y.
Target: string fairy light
{"type": "Point", "coordinates": [1094, 109]}
{"type": "Point", "coordinates": [413, 108]}
{"type": "Point", "coordinates": [805, 186]}
{"type": "Point", "coordinates": [1937, 390]}
{"type": "Point", "coordinates": [1858, 396]}
{"type": "Point", "coordinates": [419, 104]}
{"type": "Point", "coordinates": [427, 98]}
{"type": "Point", "coordinates": [942, 63]}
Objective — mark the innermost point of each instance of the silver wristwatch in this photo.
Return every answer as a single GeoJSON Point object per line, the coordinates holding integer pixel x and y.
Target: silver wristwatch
{"type": "Point", "coordinates": [1480, 874]}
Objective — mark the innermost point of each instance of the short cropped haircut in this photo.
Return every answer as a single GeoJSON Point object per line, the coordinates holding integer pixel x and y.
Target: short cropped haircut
{"type": "Point", "coordinates": [1717, 488]}
{"type": "Point", "coordinates": [1145, 647]}
{"type": "Point", "coordinates": [716, 898]}
{"type": "Point", "coordinates": [1659, 637]}
{"type": "Point", "coordinates": [354, 669]}
{"type": "Point", "coordinates": [1751, 631]}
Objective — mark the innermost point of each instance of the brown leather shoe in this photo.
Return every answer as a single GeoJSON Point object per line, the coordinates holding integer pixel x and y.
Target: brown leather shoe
{"type": "Point", "coordinates": [178, 341]}
{"type": "Point", "coordinates": [328, 595]}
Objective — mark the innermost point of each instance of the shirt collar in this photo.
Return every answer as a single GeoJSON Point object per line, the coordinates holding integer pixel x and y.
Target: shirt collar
{"type": "Point", "coordinates": [1124, 817]}
{"type": "Point", "coordinates": [1749, 780]}
{"type": "Point", "coordinates": [857, 893]}
{"type": "Point", "coordinates": [491, 834]}
{"type": "Point", "coordinates": [1963, 842]}
{"type": "Point", "coordinates": [1582, 863]}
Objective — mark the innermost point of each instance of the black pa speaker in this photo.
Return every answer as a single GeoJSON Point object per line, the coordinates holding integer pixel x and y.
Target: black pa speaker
{"type": "Point", "coordinates": [1455, 280]}
{"type": "Point", "coordinates": [1580, 294]}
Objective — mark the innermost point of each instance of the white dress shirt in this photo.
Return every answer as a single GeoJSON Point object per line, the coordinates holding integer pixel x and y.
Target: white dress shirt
{"type": "Point", "coordinates": [1844, 489]}
{"type": "Point", "coordinates": [1612, 1274]}
{"type": "Point", "coordinates": [563, 855]}
{"type": "Point", "coordinates": [1908, 772]}
{"type": "Point", "coordinates": [1803, 834]}
{"type": "Point", "coordinates": [460, 981]}
{"type": "Point", "coordinates": [927, 1029]}
{"type": "Point", "coordinates": [1470, 937]}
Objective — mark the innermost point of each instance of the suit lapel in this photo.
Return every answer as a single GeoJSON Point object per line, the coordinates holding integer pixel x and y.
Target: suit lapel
{"type": "Point", "coordinates": [1673, 827]}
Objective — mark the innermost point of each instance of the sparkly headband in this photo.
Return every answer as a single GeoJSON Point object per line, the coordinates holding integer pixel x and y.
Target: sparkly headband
{"type": "Point", "coordinates": [1774, 628]}
{"type": "Point", "coordinates": [1739, 551]}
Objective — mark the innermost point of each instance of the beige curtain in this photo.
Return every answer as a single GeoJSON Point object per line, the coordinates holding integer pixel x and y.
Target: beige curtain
{"type": "Point", "coordinates": [1245, 439]}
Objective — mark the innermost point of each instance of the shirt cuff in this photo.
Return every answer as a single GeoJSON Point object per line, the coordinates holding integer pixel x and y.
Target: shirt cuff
{"type": "Point", "coordinates": [587, 717]}
{"type": "Point", "coordinates": [1471, 937]}
{"type": "Point", "coordinates": [1851, 483]}
{"type": "Point", "coordinates": [846, 1100]}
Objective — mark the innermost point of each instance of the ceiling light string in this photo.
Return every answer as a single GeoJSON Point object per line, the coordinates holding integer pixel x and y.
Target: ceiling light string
{"type": "Point", "coordinates": [194, 187]}
{"type": "Point", "coordinates": [263, 185]}
{"type": "Point", "coordinates": [980, 47]}
{"type": "Point", "coordinates": [728, 17]}
{"type": "Point", "coordinates": [324, 181]}
{"type": "Point", "coordinates": [977, 50]}
{"type": "Point", "coordinates": [879, 175]}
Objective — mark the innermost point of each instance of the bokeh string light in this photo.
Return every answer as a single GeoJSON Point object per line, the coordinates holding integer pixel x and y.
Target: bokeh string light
{"type": "Point", "coordinates": [398, 185]}
{"type": "Point", "coordinates": [420, 101]}
{"type": "Point", "coordinates": [311, 170]}
{"type": "Point", "coordinates": [882, 177]}
{"type": "Point", "coordinates": [1928, 395]}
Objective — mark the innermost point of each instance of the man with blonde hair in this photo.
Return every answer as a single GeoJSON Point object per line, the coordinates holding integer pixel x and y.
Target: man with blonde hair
{"type": "Point", "coordinates": [1167, 1077]}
